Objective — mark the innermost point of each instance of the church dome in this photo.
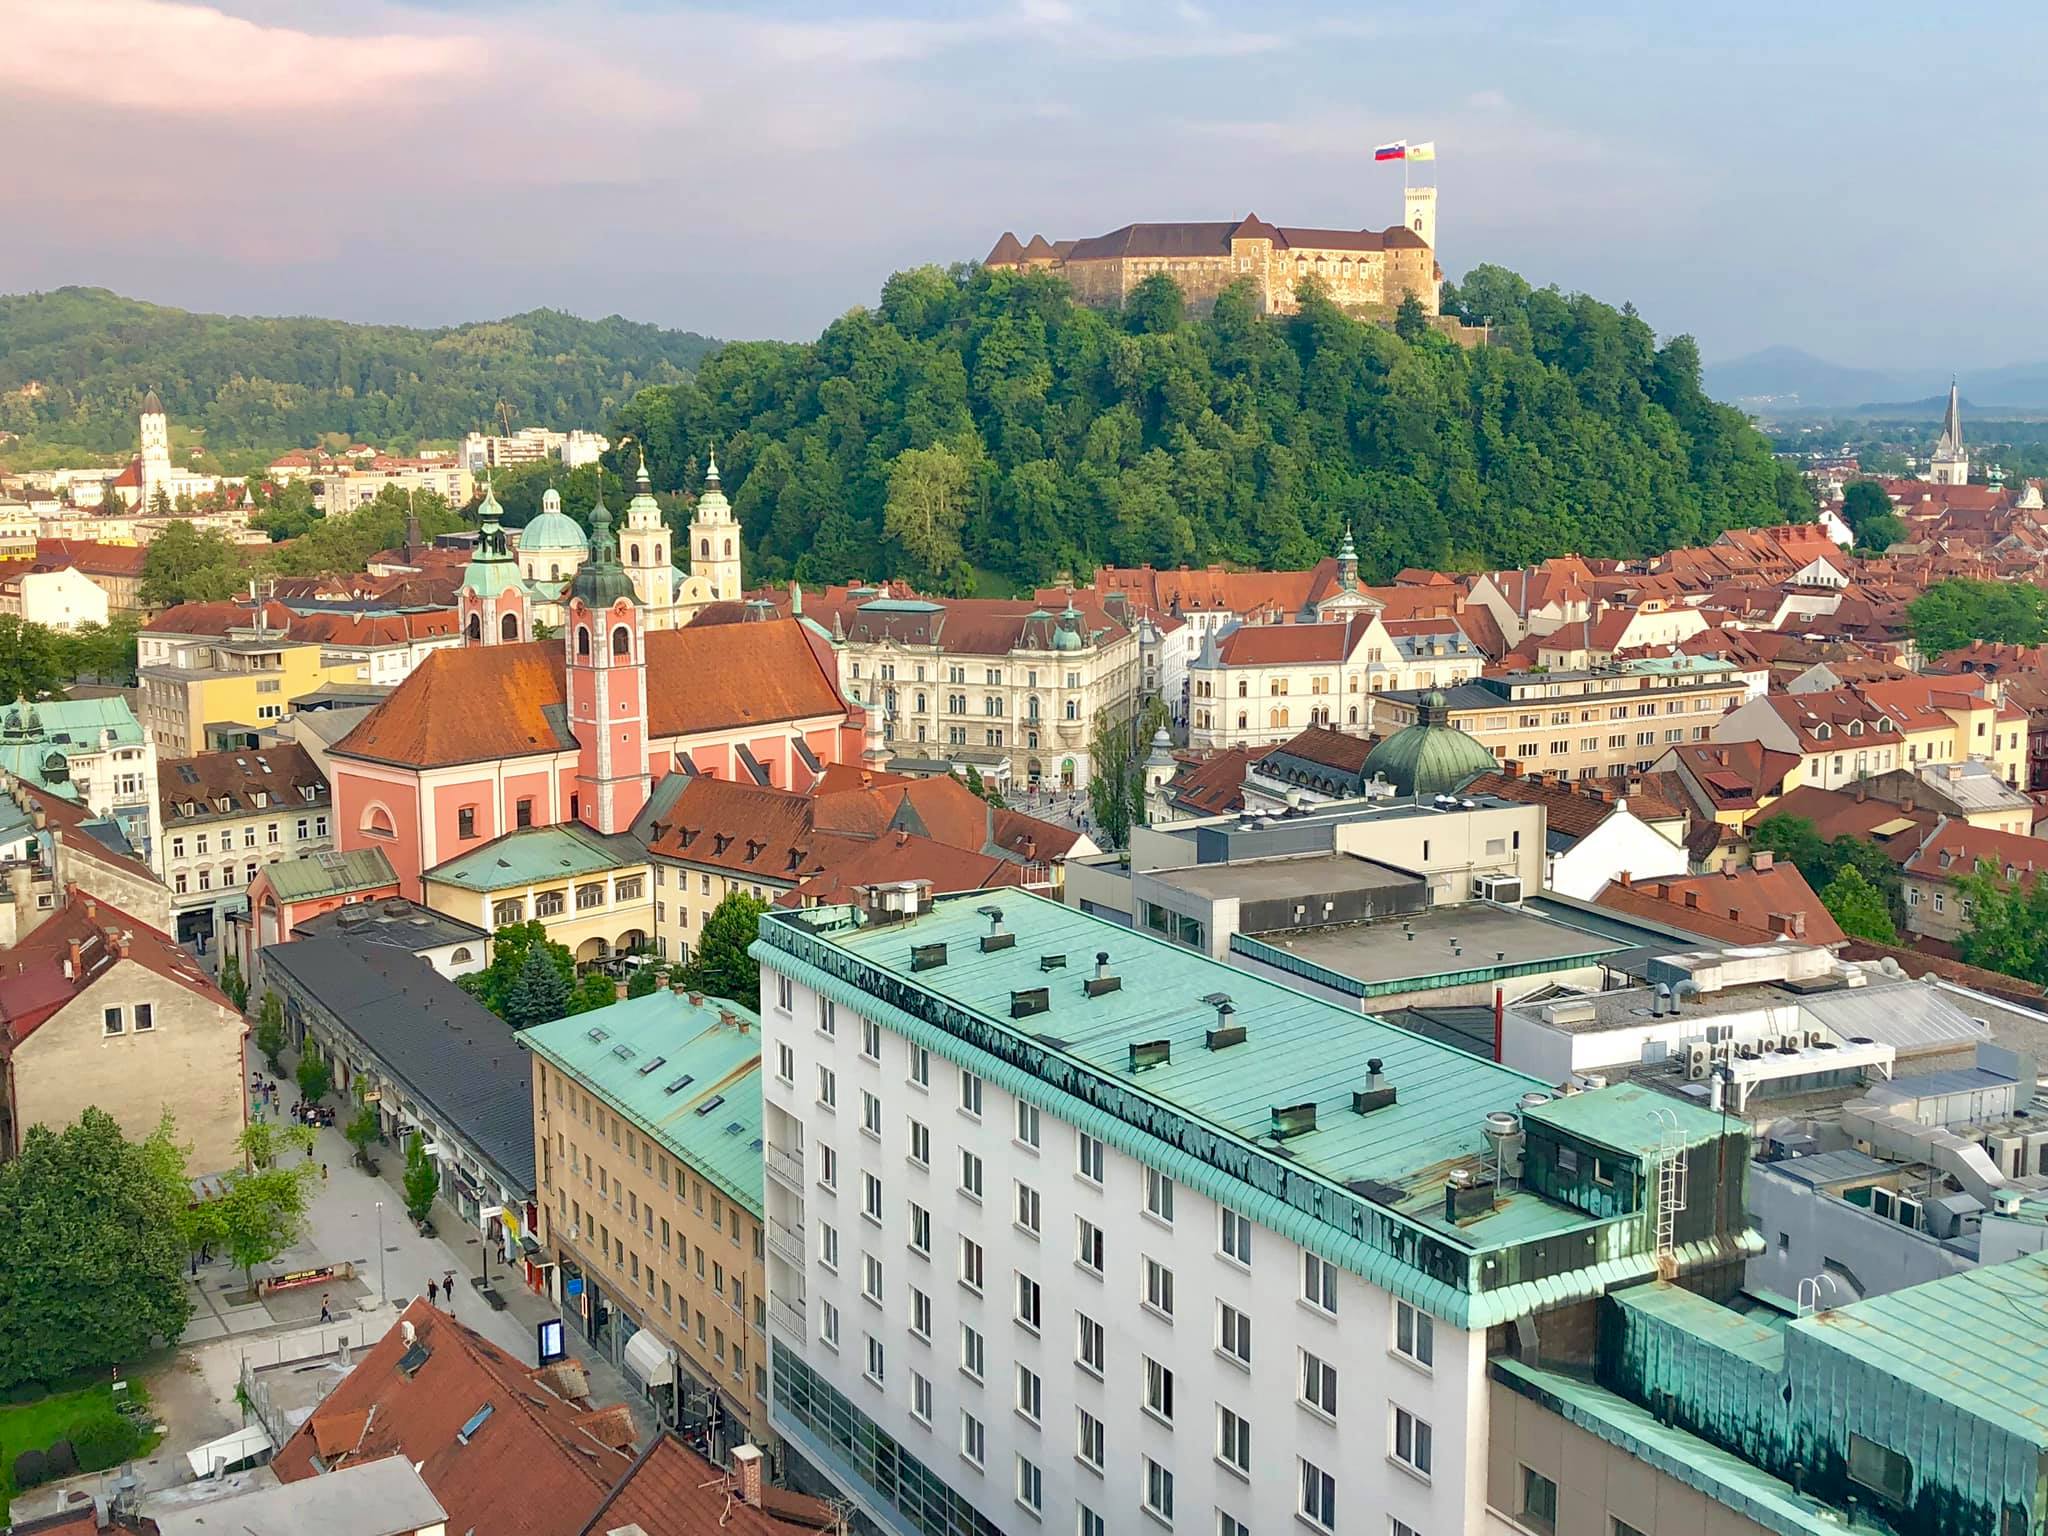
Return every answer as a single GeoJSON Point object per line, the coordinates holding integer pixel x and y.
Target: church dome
{"type": "Point", "coordinates": [1430, 757]}
{"type": "Point", "coordinates": [1067, 636]}
{"type": "Point", "coordinates": [554, 531]}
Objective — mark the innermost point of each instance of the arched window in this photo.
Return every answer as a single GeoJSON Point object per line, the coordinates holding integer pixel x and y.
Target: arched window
{"type": "Point", "coordinates": [657, 554]}
{"type": "Point", "coordinates": [554, 570]}
{"type": "Point", "coordinates": [704, 548]}
{"type": "Point", "coordinates": [582, 640]}
{"type": "Point", "coordinates": [622, 641]}
{"type": "Point", "coordinates": [377, 821]}
{"type": "Point", "coordinates": [728, 549]}
{"type": "Point", "coordinates": [460, 957]}
{"type": "Point", "coordinates": [509, 626]}
{"type": "Point", "coordinates": [634, 556]}
{"type": "Point", "coordinates": [476, 626]}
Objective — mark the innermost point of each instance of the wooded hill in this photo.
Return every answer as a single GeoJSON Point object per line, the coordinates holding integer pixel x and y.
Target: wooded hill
{"type": "Point", "coordinates": [75, 364]}
{"type": "Point", "coordinates": [976, 419]}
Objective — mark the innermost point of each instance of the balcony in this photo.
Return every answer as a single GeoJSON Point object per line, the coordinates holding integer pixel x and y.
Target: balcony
{"type": "Point", "coordinates": [786, 1245]}
{"type": "Point", "coordinates": [784, 1165]}
{"type": "Point", "coordinates": [788, 1316]}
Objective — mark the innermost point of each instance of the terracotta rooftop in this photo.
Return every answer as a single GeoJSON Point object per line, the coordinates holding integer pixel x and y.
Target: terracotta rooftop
{"type": "Point", "coordinates": [1754, 904]}
{"type": "Point", "coordinates": [672, 1491]}
{"type": "Point", "coordinates": [1574, 808]}
{"type": "Point", "coordinates": [274, 779]}
{"type": "Point", "coordinates": [71, 950]}
{"type": "Point", "coordinates": [478, 1424]}
{"type": "Point", "coordinates": [1214, 785]}
{"type": "Point", "coordinates": [1955, 848]}
{"type": "Point", "coordinates": [477, 703]}
{"type": "Point", "coordinates": [1897, 829]}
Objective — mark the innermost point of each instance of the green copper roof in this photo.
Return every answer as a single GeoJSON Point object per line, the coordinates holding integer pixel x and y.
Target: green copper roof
{"type": "Point", "coordinates": [1629, 1118]}
{"type": "Point", "coordinates": [330, 874]}
{"type": "Point", "coordinates": [492, 571]}
{"type": "Point", "coordinates": [554, 530]}
{"type": "Point", "coordinates": [686, 1078]}
{"type": "Point", "coordinates": [533, 855]}
{"type": "Point", "coordinates": [38, 741]}
{"type": "Point", "coordinates": [601, 580]}
{"type": "Point", "coordinates": [1365, 1188]}
{"type": "Point", "coordinates": [1430, 757]}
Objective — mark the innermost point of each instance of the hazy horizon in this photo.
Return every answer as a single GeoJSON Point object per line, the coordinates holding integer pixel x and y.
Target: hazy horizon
{"type": "Point", "coordinates": [1747, 176]}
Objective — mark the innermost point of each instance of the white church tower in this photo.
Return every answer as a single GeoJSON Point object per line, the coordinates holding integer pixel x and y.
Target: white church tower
{"type": "Point", "coordinates": [644, 551]}
{"type": "Point", "coordinates": [1951, 459]}
{"type": "Point", "coordinates": [156, 451]}
{"type": "Point", "coordinates": [715, 541]}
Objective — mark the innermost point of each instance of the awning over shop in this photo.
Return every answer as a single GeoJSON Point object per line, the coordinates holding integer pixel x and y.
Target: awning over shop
{"type": "Point", "coordinates": [649, 1359]}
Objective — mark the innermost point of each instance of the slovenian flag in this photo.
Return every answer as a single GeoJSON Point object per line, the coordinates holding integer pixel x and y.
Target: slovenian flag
{"type": "Point", "coordinates": [1398, 150]}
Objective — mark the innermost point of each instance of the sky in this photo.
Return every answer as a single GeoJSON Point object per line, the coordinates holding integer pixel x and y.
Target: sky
{"type": "Point", "coordinates": [1861, 180]}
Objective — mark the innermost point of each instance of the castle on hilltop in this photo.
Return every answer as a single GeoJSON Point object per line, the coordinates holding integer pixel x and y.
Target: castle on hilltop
{"type": "Point", "coordinates": [1357, 268]}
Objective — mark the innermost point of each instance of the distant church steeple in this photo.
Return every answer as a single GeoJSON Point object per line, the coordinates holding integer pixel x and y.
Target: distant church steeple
{"type": "Point", "coordinates": [1951, 459]}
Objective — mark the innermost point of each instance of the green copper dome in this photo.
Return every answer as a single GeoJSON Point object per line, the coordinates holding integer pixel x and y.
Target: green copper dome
{"type": "Point", "coordinates": [1430, 757]}
{"type": "Point", "coordinates": [491, 571]}
{"type": "Point", "coordinates": [602, 581]}
{"type": "Point", "coordinates": [554, 531]}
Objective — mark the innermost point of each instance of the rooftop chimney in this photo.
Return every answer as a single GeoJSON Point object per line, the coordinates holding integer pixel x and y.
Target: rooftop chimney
{"type": "Point", "coordinates": [1104, 980]}
{"type": "Point", "coordinates": [746, 1466]}
{"type": "Point", "coordinates": [1762, 859]}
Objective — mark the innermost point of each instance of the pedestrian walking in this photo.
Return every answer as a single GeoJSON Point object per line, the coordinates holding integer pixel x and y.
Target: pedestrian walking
{"type": "Point", "coordinates": [326, 1311]}
{"type": "Point", "coordinates": [433, 1294]}
{"type": "Point", "coordinates": [323, 1173]}
{"type": "Point", "coordinates": [448, 1288]}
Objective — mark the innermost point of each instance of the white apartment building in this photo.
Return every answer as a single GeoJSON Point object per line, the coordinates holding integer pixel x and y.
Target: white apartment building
{"type": "Point", "coordinates": [529, 445]}
{"type": "Point", "coordinates": [1073, 1229]}
{"type": "Point", "coordinates": [339, 493]}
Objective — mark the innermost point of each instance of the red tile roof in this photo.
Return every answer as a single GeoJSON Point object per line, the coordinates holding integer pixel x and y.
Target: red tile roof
{"type": "Point", "coordinates": [1279, 645]}
{"type": "Point", "coordinates": [1835, 813]}
{"type": "Point", "coordinates": [672, 1491]}
{"type": "Point", "coordinates": [92, 558]}
{"type": "Point", "coordinates": [479, 703]}
{"type": "Point", "coordinates": [282, 773]}
{"type": "Point", "coordinates": [1736, 775]}
{"type": "Point", "coordinates": [1214, 785]}
{"type": "Point", "coordinates": [1574, 807]}
{"type": "Point", "coordinates": [530, 1469]}
{"type": "Point", "coordinates": [71, 950]}
{"type": "Point", "coordinates": [1739, 905]}
{"type": "Point", "coordinates": [1956, 848]}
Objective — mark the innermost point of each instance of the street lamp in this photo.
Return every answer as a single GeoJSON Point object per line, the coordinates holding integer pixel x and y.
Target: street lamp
{"type": "Point", "coordinates": [383, 1295]}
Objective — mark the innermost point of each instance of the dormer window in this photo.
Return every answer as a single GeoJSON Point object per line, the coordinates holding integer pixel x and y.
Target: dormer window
{"type": "Point", "coordinates": [1855, 727]}
{"type": "Point", "coordinates": [1822, 732]}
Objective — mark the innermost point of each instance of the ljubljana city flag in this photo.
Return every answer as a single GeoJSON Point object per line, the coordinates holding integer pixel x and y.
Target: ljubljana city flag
{"type": "Point", "coordinates": [1395, 151]}
{"type": "Point", "coordinates": [1421, 151]}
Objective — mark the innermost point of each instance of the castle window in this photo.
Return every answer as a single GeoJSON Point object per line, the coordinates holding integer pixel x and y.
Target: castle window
{"type": "Point", "coordinates": [622, 641]}
{"type": "Point", "coordinates": [582, 641]}
{"type": "Point", "coordinates": [509, 626]}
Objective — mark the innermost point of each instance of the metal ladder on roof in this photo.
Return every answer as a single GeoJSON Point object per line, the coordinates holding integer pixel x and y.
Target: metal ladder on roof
{"type": "Point", "coordinates": [1671, 1189]}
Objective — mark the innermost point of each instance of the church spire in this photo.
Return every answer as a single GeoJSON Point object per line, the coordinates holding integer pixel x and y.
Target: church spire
{"type": "Point", "coordinates": [1952, 423]}
{"type": "Point", "coordinates": [1951, 460]}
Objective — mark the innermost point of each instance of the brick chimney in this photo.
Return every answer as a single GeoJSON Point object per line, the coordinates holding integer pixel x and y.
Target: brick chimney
{"type": "Point", "coordinates": [71, 965]}
{"type": "Point", "coordinates": [1762, 859]}
{"type": "Point", "coordinates": [746, 1470]}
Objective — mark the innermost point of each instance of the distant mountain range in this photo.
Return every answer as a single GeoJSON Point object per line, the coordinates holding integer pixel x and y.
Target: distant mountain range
{"type": "Point", "coordinates": [1782, 380]}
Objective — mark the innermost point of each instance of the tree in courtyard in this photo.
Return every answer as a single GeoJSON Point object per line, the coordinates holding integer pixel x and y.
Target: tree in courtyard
{"type": "Point", "coordinates": [983, 788]}
{"type": "Point", "coordinates": [184, 565]}
{"type": "Point", "coordinates": [270, 1036]}
{"type": "Point", "coordinates": [1859, 907]}
{"type": "Point", "coordinates": [510, 945]}
{"type": "Point", "coordinates": [2008, 923]}
{"type": "Point", "coordinates": [538, 994]}
{"type": "Point", "coordinates": [261, 1213]}
{"type": "Point", "coordinates": [422, 1179]}
{"type": "Point", "coordinates": [231, 981]}
{"type": "Point", "coordinates": [593, 989]}
{"type": "Point", "coordinates": [315, 1076]}
{"type": "Point", "coordinates": [30, 665]}
{"type": "Point", "coordinates": [722, 967]}
{"type": "Point", "coordinates": [92, 1249]}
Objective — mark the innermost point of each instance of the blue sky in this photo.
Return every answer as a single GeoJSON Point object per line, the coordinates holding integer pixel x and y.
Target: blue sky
{"type": "Point", "coordinates": [1863, 180]}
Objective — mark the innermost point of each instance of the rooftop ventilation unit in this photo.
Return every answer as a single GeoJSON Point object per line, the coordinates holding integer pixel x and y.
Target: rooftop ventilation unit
{"type": "Point", "coordinates": [1376, 1094]}
{"type": "Point", "coordinates": [1029, 1001]}
{"type": "Point", "coordinates": [1103, 980]}
{"type": "Point", "coordinates": [1223, 1034]}
{"type": "Point", "coordinates": [1146, 1054]}
{"type": "Point", "coordinates": [995, 938]}
{"type": "Point", "coordinates": [927, 957]}
{"type": "Point", "coordinates": [1293, 1119]}
{"type": "Point", "coordinates": [1505, 889]}
{"type": "Point", "coordinates": [1052, 962]}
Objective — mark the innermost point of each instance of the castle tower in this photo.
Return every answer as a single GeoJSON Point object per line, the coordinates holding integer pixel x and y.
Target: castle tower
{"type": "Point", "coordinates": [156, 450]}
{"type": "Point", "coordinates": [715, 540]}
{"type": "Point", "coordinates": [494, 604]}
{"type": "Point", "coordinates": [1419, 213]}
{"type": "Point", "coordinates": [604, 633]}
{"type": "Point", "coordinates": [647, 554]}
{"type": "Point", "coordinates": [1951, 458]}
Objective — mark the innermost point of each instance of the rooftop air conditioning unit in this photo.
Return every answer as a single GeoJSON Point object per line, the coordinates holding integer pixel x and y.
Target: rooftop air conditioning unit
{"type": "Point", "coordinates": [1505, 889]}
{"type": "Point", "coordinates": [1884, 1203]}
{"type": "Point", "coordinates": [1699, 1061]}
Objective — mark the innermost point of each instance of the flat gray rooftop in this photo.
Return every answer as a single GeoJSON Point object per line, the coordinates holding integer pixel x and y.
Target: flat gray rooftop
{"type": "Point", "coordinates": [385, 1497]}
{"type": "Point", "coordinates": [1488, 936]}
{"type": "Point", "coordinates": [1264, 879]}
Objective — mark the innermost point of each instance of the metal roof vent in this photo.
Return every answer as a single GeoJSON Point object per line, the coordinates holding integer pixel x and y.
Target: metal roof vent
{"type": "Point", "coordinates": [1146, 1054]}
{"type": "Point", "coordinates": [1103, 980]}
{"type": "Point", "coordinates": [927, 957]}
{"type": "Point", "coordinates": [1023, 1004]}
{"type": "Point", "coordinates": [1293, 1119]}
{"type": "Point", "coordinates": [1052, 962]}
{"type": "Point", "coordinates": [995, 938]}
{"type": "Point", "coordinates": [1376, 1094]}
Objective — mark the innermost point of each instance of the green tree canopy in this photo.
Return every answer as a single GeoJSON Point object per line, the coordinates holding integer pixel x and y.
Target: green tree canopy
{"type": "Point", "coordinates": [721, 967]}
{"type": "Point", "coordinates": [986, 410]}
{"type": "Point", "coordinates": [1868, 512]}
{"type": "Point", "coordinates": [1859, 907]}
{"type": "Point", "coordinates": [30, 667]}
{"type": "Point", "coordinates": [510, 946]}
{"type": "Point", "coordinates": [422, 1179]}
{"type": "Point", "coordinates": [539, 993]}
{"type": "Point", "coordinates": [92, 1249]}
{"type": "Point", "coordinates": [189, 565]}
{"type": "Point", "coordinates": [1951, 614]}
{"type": "Point", "coordinates": [2008, 924]}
